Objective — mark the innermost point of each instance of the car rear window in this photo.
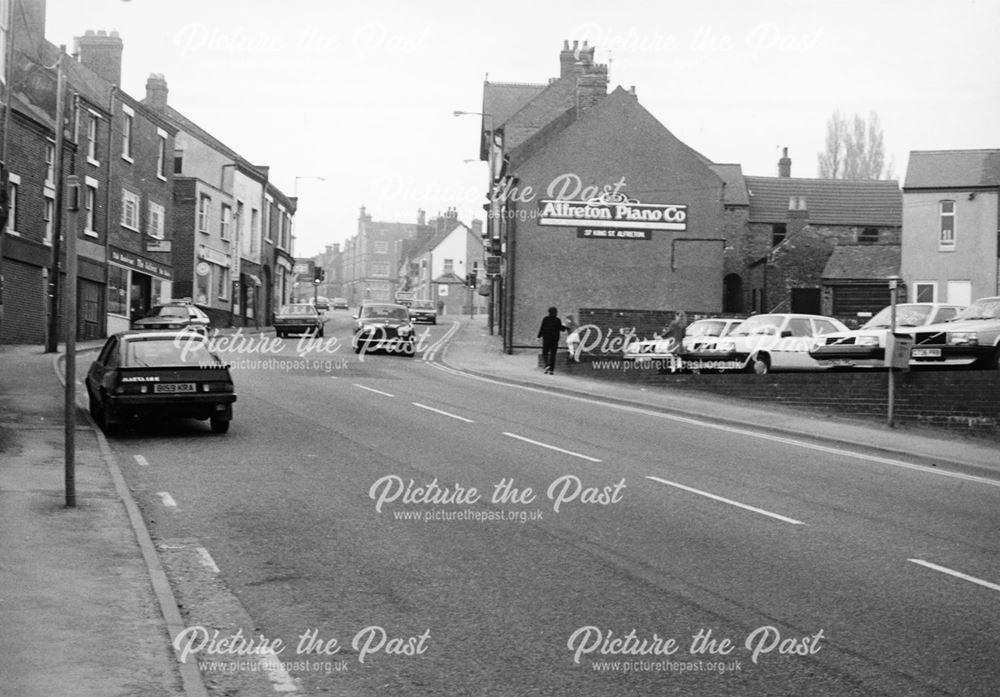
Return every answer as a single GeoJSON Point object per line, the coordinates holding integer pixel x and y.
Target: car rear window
{"type": "Point", "coordinates": [385, 312]}
{"type": "Point", "coordinates": [298, 310]}
{"type": "Point", "coordinates": [141, 353]}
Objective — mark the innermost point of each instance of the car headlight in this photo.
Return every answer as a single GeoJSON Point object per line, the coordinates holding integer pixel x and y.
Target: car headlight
{"type": "Point", "coordinates": [866, 341]}
{"type": "Point", "coordinates": [963, 339]}
{"type": "Point", "coordinates": [403, 331]}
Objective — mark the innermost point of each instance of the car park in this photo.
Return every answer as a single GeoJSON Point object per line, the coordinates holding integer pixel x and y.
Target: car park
{"type": "Point", "coordinates": [339, 303]}
{"type": "Point", "coordinates": [972, 338]}
{"type": "Point", "coordinates": [299, 318]}
{"type": "Point", "coordinates": [174, 315]}
{"type": "Point", "coordinates": [766, 343]}
{"type": "Point", "coordinates": [423, 311]}
{"type": "Point", "coordinates": [865, 347]}
{"type": "Point", "coordinates": [383, 327]}
{"type": "Point", "coordinates": [140, 375]}
{"type": "Point", "coordinates": [700, 333]}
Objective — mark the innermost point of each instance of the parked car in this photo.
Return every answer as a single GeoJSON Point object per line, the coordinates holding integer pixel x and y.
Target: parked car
{"type": "Point", "coordinates": [321, 304]}
{"type": "Point", "coordinates": [764, 343]}
{"type": "Point", "coordinates": [699, 333]}
{"type": "Point", "coordinates": [383, 327]}
{"type": "Point", "coordinates": [865, 347]}
{"type": "Point", "coordinates": [972, 337]}
{"type": "Point", "coordinates": [173, 315]}
{"type": "Point", "coordinates": [159, 374]}
{"type": "Point", "coordinates": [300, 318]}
{"type": "Point", "coordinates": [423, 311]}
{"type": "Point", "coordinates": [339, 303]}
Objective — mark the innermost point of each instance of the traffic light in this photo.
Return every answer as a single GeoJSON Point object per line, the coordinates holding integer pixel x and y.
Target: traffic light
{"type": "Point", "coordinates": [318, 275]}
{"type": "Point", "coordinates": [470, 279]}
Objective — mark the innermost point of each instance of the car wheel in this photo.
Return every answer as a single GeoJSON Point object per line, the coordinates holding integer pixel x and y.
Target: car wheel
{"type": "Point", "coordinates": [320, 332]}
{"type": "Point", "coordinates": [219, 425]}
{"type": "Point", "coordinates": [760, 364]}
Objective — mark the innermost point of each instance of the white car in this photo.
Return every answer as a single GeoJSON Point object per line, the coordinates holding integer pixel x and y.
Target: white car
{"type": "Point", "coordinates": [972, 338]}
{"type": "Point", "coordinates": [698, 333]}
{"type": "Point", "coordinates": [763, 343]}
{"type": "Point", "coordinates": [865, 347]}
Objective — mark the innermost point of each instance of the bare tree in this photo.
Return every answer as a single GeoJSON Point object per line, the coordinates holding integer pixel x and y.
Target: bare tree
{"type": "Point", "coordinates": [855, 149]}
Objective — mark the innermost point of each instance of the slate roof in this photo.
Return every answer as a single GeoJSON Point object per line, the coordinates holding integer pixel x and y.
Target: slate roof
{"type": "Point", "coordinates": [736, 187]}
{"type": "Point", "coordinates": [501, 100]}
{"type": "Point", "coordinates": [948, 169]}
{"type": "Point", "coordinates": [828, 201]}
{"type": "Point", "coordinates": [863, 261]}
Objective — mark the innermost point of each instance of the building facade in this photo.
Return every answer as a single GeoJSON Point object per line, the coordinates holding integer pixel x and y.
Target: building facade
{"type": "Point", "coordinates": [951, 224]}
{"type": "Point", "coordinates": [371, 258]}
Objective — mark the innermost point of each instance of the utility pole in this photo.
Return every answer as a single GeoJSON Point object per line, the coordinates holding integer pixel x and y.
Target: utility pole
{"type": "Point", "coordinates": [69, 418]}
{"type": "Point", "coordinates": [52, 340]}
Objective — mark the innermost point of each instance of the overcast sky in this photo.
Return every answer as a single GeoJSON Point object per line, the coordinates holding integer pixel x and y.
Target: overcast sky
{"type": "Point", "coordinates": [362, 94]}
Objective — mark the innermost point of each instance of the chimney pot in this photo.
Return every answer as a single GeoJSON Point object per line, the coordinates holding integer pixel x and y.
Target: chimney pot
{"type": "Point", "coordinates": [785, 165]}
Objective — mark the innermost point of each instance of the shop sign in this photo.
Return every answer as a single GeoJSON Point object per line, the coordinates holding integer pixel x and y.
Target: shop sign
{"type": "Point", "coordinates": [138, 263]}
{"type": "Point", "coordinates": [213, 256]}
{"type": "Point", "coordinates": [158, 246]}
{"type": "Point", "coordinates": [612, 234]}
{"type": "Point", "coordinates": [613, 211]}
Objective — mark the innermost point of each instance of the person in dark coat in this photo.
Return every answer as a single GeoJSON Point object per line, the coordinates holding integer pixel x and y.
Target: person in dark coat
{"type": "Point", "coordinates": [552, 327]}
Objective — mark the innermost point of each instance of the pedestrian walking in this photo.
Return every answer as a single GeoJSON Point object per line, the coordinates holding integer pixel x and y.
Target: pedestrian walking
{"type": "Point", "coordinates": [675, 335]}
{"type": "Point", "coordinates": [549, 332]}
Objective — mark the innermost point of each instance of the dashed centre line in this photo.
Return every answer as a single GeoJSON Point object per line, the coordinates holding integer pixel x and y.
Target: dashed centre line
{"type": "Point", "coordinates": [443, 413]}
{"type": "Point", "coordinates": [956, 574]}
{"type": "Point", "coordinates": [141, 461]}
{"type": "Point", "coordinates": [552, 447]}
{"type": "Point", "coordinates": [721, 499]}
{"type": "Point", "coordinates": [372, 389]}
{"type": "Point", "coordinates": [167, 499]}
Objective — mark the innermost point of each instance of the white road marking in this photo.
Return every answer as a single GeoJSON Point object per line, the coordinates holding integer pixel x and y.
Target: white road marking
{"type": "Point", "coordinates": [206, 559]}
{"type": "Point", "coordinates": [140, 460]}
{"type": "Point", "coordinates": [443, 413]}
{"type": "Point", "coordinates": [372, 389]}
{"type": "Point", "coordinates": [167, 499]}
{"type": "Point", "coordinates": [281, 681]}
{"type": "Point", "coordinates": [736, 430]}
{"type": "Point", "coordinates": [956, 574]}
{"type": "Point", "coordinates": [552, 447]}
{"type": "Point", "coordinates": [729, 501]}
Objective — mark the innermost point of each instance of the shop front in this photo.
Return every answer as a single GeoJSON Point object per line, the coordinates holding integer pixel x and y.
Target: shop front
{"type": "Point", "coordinates": [135, 285]}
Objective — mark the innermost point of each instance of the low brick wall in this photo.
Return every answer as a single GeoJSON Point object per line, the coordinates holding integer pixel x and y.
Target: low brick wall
{"type": "Point", "coordinates": [967, 400]}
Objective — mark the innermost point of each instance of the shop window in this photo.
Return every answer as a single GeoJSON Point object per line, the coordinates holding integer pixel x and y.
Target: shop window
{"type": "Point", "coordinates": [117, 290]}
{"type": "Point", "coordinates": [222, 282]}
{"type": "Point", "coordinates": [946, 238]}
{"type": "Point", "coordinates": [203, 286]}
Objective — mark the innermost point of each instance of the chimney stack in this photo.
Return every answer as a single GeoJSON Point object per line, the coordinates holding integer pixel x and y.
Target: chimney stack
{"type": "Point", "coordinates": [785, 165]}
{"type": "Point", "coordinates": [421, 216]}
{"type": "Point", "coordinates": [156, 91]}
{"type": "Point", "coordinates": [102, 53]}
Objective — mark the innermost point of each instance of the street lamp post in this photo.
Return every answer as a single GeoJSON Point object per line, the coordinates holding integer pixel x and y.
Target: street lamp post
{"type": "Point", "coordinates": [492, 222]}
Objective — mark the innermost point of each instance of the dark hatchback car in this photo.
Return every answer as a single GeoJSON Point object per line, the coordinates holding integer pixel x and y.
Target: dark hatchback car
{"type": "Point", "coordinates": [384, 327]}
{"type": "Point", "coordinates": [300, 318]}
{"type": "Point", "coordinates": [177, 314]}
{"type": "Point", "coordinates": [140, 375]}
{"type": "Point", "coordinates": [423, 311]}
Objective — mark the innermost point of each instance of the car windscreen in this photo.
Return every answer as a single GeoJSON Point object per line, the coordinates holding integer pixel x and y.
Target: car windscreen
{"type": "Point", "coordinates": [422, 305]}
{"type": "Point", "coordinates": [169, 311]}
{"type": "Point", "coordinates": [906, 316]}
{"type": "Point", "coordinates": [987, 308]}
{"type": "Point", "coordinates": [705, 328]}
{"type": "Point", "coordinates": [761, 324]}
{"type": "Point", "coordinates": [180, 350]}
{"type": "Point", "coordinates": [385, 312]}
{"type": "Point", "coordinates": [297, 310]}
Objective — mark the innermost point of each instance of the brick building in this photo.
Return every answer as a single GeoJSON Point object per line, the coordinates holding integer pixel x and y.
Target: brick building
{"type": "Point", "coordinates": [371, 258]}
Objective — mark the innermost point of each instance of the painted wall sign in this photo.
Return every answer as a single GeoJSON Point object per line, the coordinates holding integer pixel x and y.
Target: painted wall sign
{"type": "Point", "coordinates": [613, 211]}
{"type": "Point", "coordinates": [612, 234]}
{"type": "Point", "coordinates": [138, 263]}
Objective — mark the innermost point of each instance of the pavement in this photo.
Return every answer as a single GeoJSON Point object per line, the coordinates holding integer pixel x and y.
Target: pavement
{"type": "Point", "coordinates": [85, 607]}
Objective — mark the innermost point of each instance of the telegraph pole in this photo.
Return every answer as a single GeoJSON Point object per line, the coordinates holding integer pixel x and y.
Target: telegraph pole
{"type": "Point", "coordinates": [69, 418]}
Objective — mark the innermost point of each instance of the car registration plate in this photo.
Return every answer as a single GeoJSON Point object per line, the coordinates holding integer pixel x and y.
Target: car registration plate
{"type": "Point", "coordinates": [925, 353]}
{"type": "Point", "coordinates": [173, 387]}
